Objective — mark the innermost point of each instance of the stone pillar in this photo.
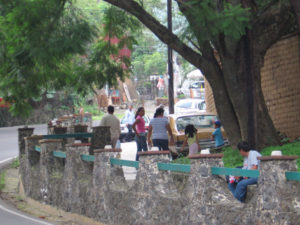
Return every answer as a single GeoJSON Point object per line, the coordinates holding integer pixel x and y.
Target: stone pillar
{"type": "Point", "coordinates": [22, 133]}
{"type": "Point", "coordinates": [101, 137]}
{"type": "Point", "coordinates": [277, 200]}
{"type": "Point", "coordinates": [51, 169]}
{"type": "Point", "coordinates": [208, 200]}
{"type": "Point", "coordinates": [77, 181]}
{"type": "Point", "coordinates": [153, 198]}
{"type": "Point", "coordinates": [30, 167]}
{"type": "Point", "coordinates": [109, 185]}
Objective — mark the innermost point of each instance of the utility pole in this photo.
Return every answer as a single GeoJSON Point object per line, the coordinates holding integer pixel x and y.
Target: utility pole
{"type": "Point", "coordinates": [170, 62]}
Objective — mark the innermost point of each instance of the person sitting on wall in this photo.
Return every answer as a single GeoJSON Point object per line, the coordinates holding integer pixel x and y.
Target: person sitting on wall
{"type": "Point", "coordinates": [239, 186]}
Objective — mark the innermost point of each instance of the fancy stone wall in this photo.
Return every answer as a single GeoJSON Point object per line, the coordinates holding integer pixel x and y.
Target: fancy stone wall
{"type": "Point", "coordinates": [280, 79]}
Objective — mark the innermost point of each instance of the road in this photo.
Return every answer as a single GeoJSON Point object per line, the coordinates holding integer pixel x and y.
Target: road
{"type": "Point", "coordinates": [9, 149]}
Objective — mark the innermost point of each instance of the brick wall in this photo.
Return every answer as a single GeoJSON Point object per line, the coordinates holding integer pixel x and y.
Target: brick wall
{"type": "Point", "coordinates": [280, 80]}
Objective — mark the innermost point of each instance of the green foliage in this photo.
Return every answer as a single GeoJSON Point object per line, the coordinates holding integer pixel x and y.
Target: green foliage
{"type": "Point", "coordinates": [182, 160]}
{"type": "Point", "coordinates": [38, 39]}
{"type": "Point", "coordinates": [217, 17]}
{"type": "Point", "coordinates": [15, 164]}
{"type": "Point", "coordinates": [2, 181]}
{"type": "Point", "coordinates": [155, 63]}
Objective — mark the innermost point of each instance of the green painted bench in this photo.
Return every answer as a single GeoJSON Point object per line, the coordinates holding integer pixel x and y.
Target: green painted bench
{"type": "Point", "coordinates": [122, 162]}
{"type": "Point", "coordinates": [174, 167]}
{"type": "Point", "coordinates": [292, 175]}
{"type": "Point", "coordinates": [88, 158]}
{"type": "Point", "coordinates": [59, 154]}
{"type": "Point", "coordinates": [73, 135]}
{"type": "Point", "coordinates": [234, 172]}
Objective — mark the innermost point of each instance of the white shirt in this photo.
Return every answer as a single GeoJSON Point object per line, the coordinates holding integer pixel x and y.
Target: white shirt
{"type": "Point", "coordinates": [251, 160]}
{"type": "Point", "coordinates": [129, 117]}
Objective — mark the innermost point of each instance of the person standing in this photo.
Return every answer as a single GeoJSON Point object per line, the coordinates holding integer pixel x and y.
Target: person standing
{"type": "Point", "coordinates": [113, 122]}
{"type": "Point", "coordinates": [159, 128]}
{"type": "Point", "coordinates": [129, 120]}
{"type": "Point", "coordinates": [217, 135]}
{"type": "Point", "coordinates": [140, 131]}
{"type": "Point", "coordinates": [191, 139]}
{"type": "Point", "coordinates": [239, 186]}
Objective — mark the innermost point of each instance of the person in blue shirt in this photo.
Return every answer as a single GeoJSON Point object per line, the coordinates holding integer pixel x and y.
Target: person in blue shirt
{"type": "Point", "coordinates": [217, 135]}
{"type": "Point", "coordinates": [129, 120]}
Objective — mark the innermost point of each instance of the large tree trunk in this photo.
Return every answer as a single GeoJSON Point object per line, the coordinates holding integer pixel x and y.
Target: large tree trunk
{"type": "Point", "coordinates": [235, 78]}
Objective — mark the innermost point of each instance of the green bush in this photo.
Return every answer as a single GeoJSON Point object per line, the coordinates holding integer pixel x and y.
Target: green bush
{"type": "Point", "coordinates": [2, 181]}
{"type": "Point", "coordinates": [15, 164]}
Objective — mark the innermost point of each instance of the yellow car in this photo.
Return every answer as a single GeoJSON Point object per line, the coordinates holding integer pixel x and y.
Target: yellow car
{"type": "Point", "coordinates": [203, 122]}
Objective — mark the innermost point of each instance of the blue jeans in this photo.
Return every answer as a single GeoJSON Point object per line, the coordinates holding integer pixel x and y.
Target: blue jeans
{"type": "Point", "coordinates": [141, 144]}
{"type": "Point", "coordinates": [130, 134]}
{"type": "Point", "coordinates": [239, 190]}
{"type": "Point", "coordinates": [162, 144]}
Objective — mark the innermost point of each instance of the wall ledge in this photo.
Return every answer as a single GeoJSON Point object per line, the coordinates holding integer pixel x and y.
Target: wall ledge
{"type": "Point", "coordinates": [201, 156]}
{"type": "Point", "coordinates": [284, 157]}
{"type": "Point", "coordinates": [107, 150]}
{"type": "Point", "coordinates": [153, 153]}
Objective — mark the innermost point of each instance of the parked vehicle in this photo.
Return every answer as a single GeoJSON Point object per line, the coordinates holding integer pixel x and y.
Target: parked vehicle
{"type": "Point", "coordinates": [197, 88]}
{"type": "Point", "coordinates": [124, 129]}
{"type": "Point", "coordinates": [203, 122]}
{"type": "Point", "coordinates": [190, 105]}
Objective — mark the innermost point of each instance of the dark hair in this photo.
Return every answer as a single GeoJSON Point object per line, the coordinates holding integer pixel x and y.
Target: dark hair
{"type": "Point", "coordinates": [110, 109]}
{"type": "Point", "coordinates": [138, 111]}
{"type": "Point", "coordinates": [190, 130]}
{"type": "Point", "coordinates": [159, 111]}
{"type": "Point", "coordinates": [243, 145]}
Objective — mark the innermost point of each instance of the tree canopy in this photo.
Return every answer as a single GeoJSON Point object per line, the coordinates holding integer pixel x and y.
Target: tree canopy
{"type": "Point", "coordinates": [55, 44]}
{"type": "Point", "coordinates": [227, 40]}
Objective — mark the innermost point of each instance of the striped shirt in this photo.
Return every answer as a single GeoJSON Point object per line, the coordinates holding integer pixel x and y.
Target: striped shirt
{"type": "Point", "coordinates": [159, 130]}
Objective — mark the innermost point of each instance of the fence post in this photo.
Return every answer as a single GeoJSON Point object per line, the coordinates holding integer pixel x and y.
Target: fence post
{"type": "Point", "coordinates": [278, 200]}
{"type": "Point", "coordinates": [30, 167]}
{"type": "Point", "coordinates": [22, 133]}
{"type": "Point", "coordinates": [52, 169]}
{"type": "Point", "coordinates": [109, 185]}
{"type": "Point", "coordinates": [77, 179]}
{"type": "Point", "coordinates": [101, 137]}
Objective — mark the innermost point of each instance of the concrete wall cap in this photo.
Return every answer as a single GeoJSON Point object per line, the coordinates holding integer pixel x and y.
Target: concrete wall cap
{"type": "Point", "coordinates": [107, 150]}
{"type": "Point", "coordinates": [283, 157]}
{"type": "Point", "coordinates": [154, 153]}
{"type": "Point", "coordinates": [80, 144]}
{"type": "Point", "coordinates": [201, 156]}
{"type": "Point", "coordinates": [25, 128]}
{"type": "Point", "coordinates": [50, 141]}
{"type": "Point", "coordinates": [101, 126]}
{"type": "Point", "coordinates": [34, 137]}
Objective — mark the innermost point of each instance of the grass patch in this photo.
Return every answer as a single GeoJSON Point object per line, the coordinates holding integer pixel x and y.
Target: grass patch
{"type": "Point", "coordinates": [182, 160]}
{"type": "Point", "coordinates": [99, 117]}
{"type": "Point", "coordinates": [15, 164]}
{"type": "Point", "coordinates": [2, 181]}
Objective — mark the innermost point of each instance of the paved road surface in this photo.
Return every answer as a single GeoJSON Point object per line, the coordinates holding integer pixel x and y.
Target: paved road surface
{"type": "Point", "coordinates": [9, 149]}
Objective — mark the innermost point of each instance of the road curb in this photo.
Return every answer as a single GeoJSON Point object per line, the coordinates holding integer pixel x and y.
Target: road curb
{"type": "Point", "coordinates": [5, 164]}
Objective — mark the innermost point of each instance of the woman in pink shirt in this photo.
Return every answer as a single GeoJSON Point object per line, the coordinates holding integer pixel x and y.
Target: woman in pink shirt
{"type": "Point", "coordinates": [140, 131]}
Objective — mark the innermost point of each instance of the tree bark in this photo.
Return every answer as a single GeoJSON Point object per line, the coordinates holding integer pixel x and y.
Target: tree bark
{"type": "Point", "coordinates": [235, 78]}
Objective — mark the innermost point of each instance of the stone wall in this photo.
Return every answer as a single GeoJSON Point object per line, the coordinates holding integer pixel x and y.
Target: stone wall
{"type": "Point", "coordinates": [280, 77]}
{"type": "Point", "coordinates": [99, 190]}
